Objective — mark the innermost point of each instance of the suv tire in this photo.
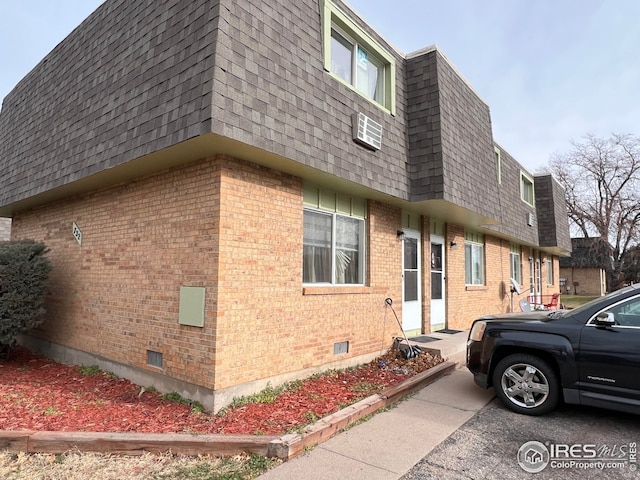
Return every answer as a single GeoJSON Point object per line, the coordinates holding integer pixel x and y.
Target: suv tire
{"type": "Point", "coordinates": [526, 384]}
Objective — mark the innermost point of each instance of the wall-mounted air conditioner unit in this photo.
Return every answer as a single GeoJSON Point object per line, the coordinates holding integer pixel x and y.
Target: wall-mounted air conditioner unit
{"type": "Point", "coordinates": [366, 132]}
{"type": "Point", "coordinates": [530, 219]}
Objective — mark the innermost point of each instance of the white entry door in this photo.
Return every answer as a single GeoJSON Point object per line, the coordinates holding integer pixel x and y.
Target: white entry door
{"type": "Point", "coordinates": [411, 296]}
{"type": "Point", "coordinates": [438, 321]}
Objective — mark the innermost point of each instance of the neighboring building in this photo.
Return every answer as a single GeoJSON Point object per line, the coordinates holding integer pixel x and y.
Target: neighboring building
{"type": "Point", "coordinates": [5, 229]}
{"type": "Point", "coordinates": [582, 272]}
{"type": "Point", "coordinates": [231, 190]}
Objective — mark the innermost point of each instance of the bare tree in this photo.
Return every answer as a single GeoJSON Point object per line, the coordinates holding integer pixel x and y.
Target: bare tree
{"type": "Point", "coordinates": [601, 178]}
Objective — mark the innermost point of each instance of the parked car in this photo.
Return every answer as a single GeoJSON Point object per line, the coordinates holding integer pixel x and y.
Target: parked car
{"type": "Point", "coordinates": [586, 356]}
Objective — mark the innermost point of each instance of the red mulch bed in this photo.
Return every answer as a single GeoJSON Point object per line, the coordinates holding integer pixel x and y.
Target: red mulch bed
{"type": "Point", "coordinates": [37, 393]}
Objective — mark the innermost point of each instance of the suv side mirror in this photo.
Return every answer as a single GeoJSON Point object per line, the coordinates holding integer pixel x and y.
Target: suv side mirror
{"type": "Point", "coordinates": [605, 319]}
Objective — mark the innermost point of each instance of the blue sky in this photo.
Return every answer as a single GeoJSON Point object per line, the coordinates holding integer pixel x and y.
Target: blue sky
{"type": "Point", "coordinates": [550, 70]}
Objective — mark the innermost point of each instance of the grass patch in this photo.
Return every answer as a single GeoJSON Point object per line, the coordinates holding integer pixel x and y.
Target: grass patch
{"type": "Point", "coordinates": [573, 301]}
{"type": "Point", "coordinates": [92, 370]}
{"type": "Point", "coordinates": [232, 468]}
{"type": "Point", "coordinates": [81, 466]}
{"type": "Point", "coordinates": [89, 371]}
{"type": "Point", "coordinates": [52, 410]}
{"type": "Point", "coordinates": [196, 407]}
{"type": "Point", "coordinates": [366, 387]}
{"type": "Point", "coordinates": [268, 395]}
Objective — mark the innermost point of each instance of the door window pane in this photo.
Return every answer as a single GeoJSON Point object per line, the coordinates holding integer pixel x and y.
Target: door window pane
{"type": "Point", "coordinates": [436, 256]}
{"type": "Point", "coordinates": [436, 285]}
{"type": "Point", "coordinates": [410, 285]}
{"type": "Point", "coordinates": [410, 253]}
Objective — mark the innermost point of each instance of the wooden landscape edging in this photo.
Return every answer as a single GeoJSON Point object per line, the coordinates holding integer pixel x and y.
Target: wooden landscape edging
{"type": "Point", "coordinates": [330, 425]}
{"type": "Point", "coordinates": [284, 447]}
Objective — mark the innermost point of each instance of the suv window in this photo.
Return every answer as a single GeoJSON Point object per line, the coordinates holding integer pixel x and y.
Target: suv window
{"type": "Point", "coordinates": [627, 314]}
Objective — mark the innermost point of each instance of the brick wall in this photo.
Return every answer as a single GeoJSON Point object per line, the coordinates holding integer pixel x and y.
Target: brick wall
{"type": "Point", "coordinates": [232, 227]}
{"type": "Point", "coordinates": [267, 323]}
{"type": "Point", "coordinates": [466, 303]}
{"type": "Point", "coordinates": [591, 281]}
{"type": "Point", "coordinates": [117, 295]}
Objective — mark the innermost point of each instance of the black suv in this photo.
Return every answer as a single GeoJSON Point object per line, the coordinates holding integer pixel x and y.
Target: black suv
{"type": "Point", "coordinates": [586, 356]}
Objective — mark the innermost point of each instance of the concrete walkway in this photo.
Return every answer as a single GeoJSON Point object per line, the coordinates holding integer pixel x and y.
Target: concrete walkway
{"type": "Point", "coordinates": [392, 442]}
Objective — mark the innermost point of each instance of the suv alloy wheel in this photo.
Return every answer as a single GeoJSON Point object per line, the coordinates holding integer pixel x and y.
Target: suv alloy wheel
{"type": "Point", "coordinates": [526, 384]}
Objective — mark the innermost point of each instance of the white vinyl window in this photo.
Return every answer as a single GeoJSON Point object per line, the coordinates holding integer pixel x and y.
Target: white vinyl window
{"type": "Point", "coordinates": [526, 189]}
{"type": "Point", "coordinates": [356, 66]}
{"type": "Point", "coordinates": [516, 266]}
{"type": "Point", "coordinates": [474, 258]}
{"type": "Point", "coordinates": [549, 271]}
{"type": "Point", "coordinates": [498, 164]}
{"type": "Point", "coordinates": [353, 56]}
{"type": "Point", "coordinates": [333, 251]}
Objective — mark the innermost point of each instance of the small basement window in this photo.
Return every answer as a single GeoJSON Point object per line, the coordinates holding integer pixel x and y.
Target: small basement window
{"type": "Point", "coordinates": [340, 348]}
{"type": "Point", "coordinates": [154, 359]}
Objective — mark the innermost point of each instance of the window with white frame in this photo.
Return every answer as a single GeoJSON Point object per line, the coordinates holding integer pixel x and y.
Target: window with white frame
{"type": "Point", "coordinates": [515, 262]}
{"type": "Point", "coordinates": [354, 57]}
{"type": "Point", "coordinates": [474, 258]}
{"type": "Point", "coordinates": [550, 271]}
{"type": "Point", "coordinates": [526, 189]}
{"type": "Point", "coordinates": [498, 164]}
{"type": "Point", "coordinates": [333, 239]}
{"type": "Point", "coordinates": [356, 66]}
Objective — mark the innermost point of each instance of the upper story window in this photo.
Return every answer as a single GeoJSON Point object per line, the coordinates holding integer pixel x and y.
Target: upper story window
{"type": "Point", "coordinates": [351, 55]}
{"type": "Point", "coordinates": [526, 189]}
{"type": "Point", "coordinates": [498, 164]}
{"type": "Point", "coordinates": [333, 239]}
{"type": "Point", "coordinates": [356, 66]}
{"type": "Point", "coordinates": [473, 258]}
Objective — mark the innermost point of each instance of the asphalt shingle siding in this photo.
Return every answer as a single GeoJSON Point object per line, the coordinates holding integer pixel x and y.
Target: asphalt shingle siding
{"type": "Point", "coordinates": [273, 93]}
{"type": "Point", "coordinates": [424, 127]}
{"type": "Point", "coordinates": [451, 143]}
{"type": "Point", "coordinates": [138, 77]}
{"type": "Point", "coordinates": [133, 78]}
{"type": "Point", "coordinates": [514, 212]}
{"type": "Point", "coordinates": [553, 224]}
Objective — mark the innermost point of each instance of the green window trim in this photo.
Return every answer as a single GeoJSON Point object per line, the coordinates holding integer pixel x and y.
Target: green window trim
{"type": "Point", "coordinates": [527, 193]}
{"type": "Point", "coordinates": [331, 15]}
{"type": "Point", "coordinates": [498, 164]}
{"type": "Point", "coordinates": [332, 201]}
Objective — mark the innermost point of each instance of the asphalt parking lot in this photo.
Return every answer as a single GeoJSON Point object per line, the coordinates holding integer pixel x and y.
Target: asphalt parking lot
{"type": "Point", "coordinates": [581, 443]}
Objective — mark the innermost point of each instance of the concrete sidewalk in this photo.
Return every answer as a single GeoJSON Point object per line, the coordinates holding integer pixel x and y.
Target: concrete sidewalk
{"type": "Point", "coordinates": [392, 442]}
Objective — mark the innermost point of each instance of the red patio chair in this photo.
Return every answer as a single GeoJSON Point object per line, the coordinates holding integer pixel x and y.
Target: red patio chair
{"type": "Point", "coordinates": [553, 304]}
